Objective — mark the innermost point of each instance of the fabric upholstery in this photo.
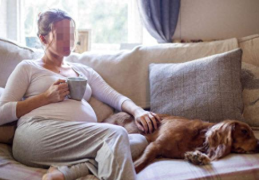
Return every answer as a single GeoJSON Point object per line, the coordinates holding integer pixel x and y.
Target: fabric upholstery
{"type": "Point", "coordinates": [232, 167]}
{"type": "Point", "coordinates": [250, 47]}
{"type": "Point", "coordinates": [11, 54]}
{"type": "Point", "coordinates": [127, 71]}
{"type": "Point", "coordinates": [208, 88]}
{"type": "Point", "coordinates": [250, 83]}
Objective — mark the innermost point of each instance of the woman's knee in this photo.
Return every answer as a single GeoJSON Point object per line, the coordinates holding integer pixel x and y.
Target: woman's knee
{"type": "Point", "coordinates": [138, 143]}
{"type": "Point", "coordinates": [117, 130]}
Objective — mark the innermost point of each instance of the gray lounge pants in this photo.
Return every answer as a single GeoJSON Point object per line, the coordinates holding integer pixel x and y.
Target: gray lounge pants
{"type": "Point", "coordinates": [77, 147]}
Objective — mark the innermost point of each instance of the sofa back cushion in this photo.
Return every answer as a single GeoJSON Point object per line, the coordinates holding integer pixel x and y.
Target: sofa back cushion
{"type": "Point", "coordinates": [127, 71]}
{"type": "Point", "coordinates": [10, 55]}
{"type": "Point", "coordinates": [250, 83]}
{"type": "Point", "coordinates": [250, 47]}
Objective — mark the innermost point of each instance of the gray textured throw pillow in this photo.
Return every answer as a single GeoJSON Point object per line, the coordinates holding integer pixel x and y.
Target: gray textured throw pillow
{"type": "Point", "coordinates": [208, 88]}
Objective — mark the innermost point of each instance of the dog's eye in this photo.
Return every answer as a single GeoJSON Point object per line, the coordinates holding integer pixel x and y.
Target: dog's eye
{"type": "Point", "coordinates": [244, 131]}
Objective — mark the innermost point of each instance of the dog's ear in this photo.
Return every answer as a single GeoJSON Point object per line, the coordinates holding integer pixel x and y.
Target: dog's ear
{"type": "Point", "coordinates": [219, 139]}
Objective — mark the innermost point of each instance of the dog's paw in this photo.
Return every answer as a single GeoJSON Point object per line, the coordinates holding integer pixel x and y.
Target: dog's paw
{"type": "Point", "coordinates": [197, 157]}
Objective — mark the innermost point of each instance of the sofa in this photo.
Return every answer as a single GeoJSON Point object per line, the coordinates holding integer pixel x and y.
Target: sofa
{"type": "Point", "coordinates": [128, 71]}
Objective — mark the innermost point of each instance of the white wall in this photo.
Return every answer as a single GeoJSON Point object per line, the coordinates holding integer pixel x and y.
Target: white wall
{"type": "Point", "coordinates": [217, 19]}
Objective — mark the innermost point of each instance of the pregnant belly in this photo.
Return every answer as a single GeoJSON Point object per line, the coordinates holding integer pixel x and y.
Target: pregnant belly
{"type": "Point", "coordinates": [69, 110]}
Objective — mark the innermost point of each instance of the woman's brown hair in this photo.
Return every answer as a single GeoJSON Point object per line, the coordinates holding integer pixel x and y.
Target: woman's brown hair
{"type": "Point", "coordinates": [48, 18]}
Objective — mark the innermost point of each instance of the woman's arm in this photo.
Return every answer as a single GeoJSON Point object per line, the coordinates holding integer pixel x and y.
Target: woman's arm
{"type": "Point", "coordinates": [145, 120]}
{"type": "Point", "coordinates": [103, 91]}
{"type": "Point", "coordinates": [11, 106]}
{"type": "Point", "coordinates": [56, 93]}
{"type": "Point", "coordinates": [15, 88]}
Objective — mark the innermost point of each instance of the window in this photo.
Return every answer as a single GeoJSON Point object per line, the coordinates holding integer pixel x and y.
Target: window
{"type": "Point", "coordinates": [113, 23]}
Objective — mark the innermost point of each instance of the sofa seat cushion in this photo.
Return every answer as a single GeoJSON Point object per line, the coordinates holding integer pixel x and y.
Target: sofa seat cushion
{"type": "Point", "coordinates": [232, 167]}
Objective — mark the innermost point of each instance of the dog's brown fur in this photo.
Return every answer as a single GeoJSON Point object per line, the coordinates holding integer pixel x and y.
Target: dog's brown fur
{"type": "Point", "coordinates": [197, 141]}
{"type": "Point", "coordinates": [125, 120]}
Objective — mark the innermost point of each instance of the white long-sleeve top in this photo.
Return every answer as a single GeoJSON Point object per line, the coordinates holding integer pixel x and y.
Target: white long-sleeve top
{"type": "Point", "coordinates": [29, 79]}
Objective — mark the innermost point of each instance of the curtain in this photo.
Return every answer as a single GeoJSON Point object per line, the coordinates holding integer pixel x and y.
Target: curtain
{"type": "Point", "coordinates": [160, 18]}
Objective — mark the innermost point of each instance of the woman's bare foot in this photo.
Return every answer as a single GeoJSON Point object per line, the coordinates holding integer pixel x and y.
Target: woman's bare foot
{"type": "Point", "coordinates": [53, 174]}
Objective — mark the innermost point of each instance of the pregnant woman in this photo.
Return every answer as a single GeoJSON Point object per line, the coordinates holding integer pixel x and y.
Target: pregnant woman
{"type": "Point", "coordinates": [63, 134]}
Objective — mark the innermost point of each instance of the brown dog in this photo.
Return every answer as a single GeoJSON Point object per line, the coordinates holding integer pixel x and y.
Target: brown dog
{"type": "Point", "coordinates": [197, 141]}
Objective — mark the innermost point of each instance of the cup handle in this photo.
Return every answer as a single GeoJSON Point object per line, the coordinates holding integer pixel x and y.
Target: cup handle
{"type": "Point", "coordinates": [68, 96]}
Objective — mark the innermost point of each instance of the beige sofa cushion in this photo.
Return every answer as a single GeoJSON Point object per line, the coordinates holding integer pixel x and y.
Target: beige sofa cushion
{"type": "Point", "coordinates": [250, 82]}
{"type": "Point", "coordinates": [250, 47]}
{"type": "Point", "coordinates": [101, 109]}
{"type": "Point", "coordinates": [10, 55]}
{"type": "Point", "coordinates": [127, 71]}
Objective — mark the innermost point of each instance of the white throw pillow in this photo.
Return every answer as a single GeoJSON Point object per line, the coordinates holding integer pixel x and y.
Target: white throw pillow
{"type": "Point", "coordinates": [250, 83]}
{"type": "Point", "coordinates": [250, 47]}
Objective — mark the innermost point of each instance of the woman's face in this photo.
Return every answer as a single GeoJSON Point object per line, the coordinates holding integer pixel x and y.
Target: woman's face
{"type": "Point", "coordinates": [61, 39]}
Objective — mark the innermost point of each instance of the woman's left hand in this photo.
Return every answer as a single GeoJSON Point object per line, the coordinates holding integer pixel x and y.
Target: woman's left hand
{"type": "Point", "coordinates": [146, 121]}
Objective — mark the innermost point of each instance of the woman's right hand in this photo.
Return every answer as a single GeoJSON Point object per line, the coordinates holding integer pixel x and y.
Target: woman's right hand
{"type": "Point", "coordinates": [57, 91]}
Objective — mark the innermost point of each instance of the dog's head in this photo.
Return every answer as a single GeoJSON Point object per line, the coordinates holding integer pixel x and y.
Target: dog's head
{"type": "Point", "coordinates": [244, 140]}
{"type": "Point", "coordinates": [230, 136]}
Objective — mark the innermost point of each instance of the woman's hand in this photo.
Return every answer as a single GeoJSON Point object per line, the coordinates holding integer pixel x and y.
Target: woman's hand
{"type": "Point", "coordinates": [57, 91]}
{"type": "Point", "coordinates": [146, 121]}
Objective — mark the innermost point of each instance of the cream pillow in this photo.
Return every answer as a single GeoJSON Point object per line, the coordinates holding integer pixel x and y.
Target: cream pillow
{"type": "Point", "coordinates": [101, 109]}
{"type": "Point", "coordinates": [250, 47]}
{"type": "Point", "coordinates": [11, 55]}
{"type": "Point", "coordinates": [250, 83]}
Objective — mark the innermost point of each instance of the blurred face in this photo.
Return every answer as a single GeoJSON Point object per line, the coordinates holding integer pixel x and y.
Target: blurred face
{"type": "Point", "coordinates": [61, 39]}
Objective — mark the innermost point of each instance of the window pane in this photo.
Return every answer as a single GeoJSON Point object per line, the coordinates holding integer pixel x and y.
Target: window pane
{"type": "Point", "coordinates": [107, 20]}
